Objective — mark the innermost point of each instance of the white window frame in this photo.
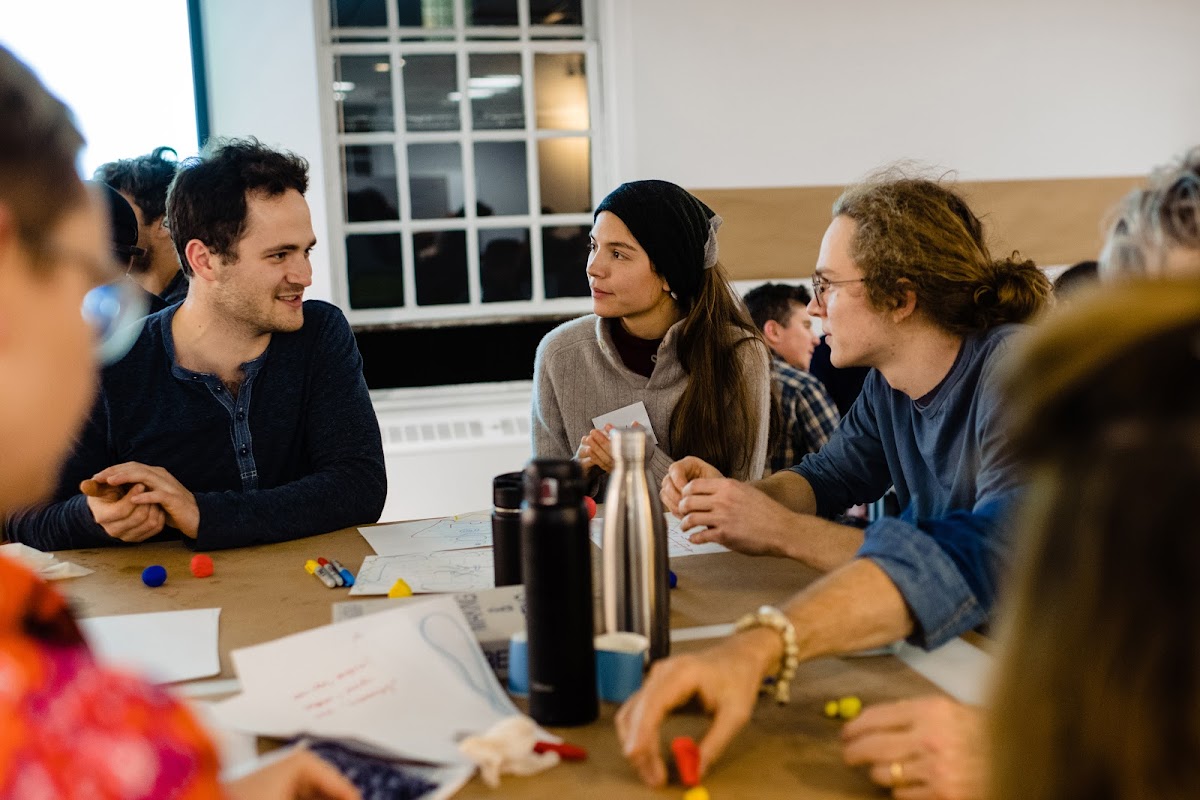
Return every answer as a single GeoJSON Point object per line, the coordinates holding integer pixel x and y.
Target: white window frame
{"type": "Point", "coordinates": [526, 43]}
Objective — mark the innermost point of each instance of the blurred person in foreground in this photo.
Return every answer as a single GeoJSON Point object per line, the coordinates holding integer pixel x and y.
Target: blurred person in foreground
{"type": "Point", "coordinates": [66, 717]}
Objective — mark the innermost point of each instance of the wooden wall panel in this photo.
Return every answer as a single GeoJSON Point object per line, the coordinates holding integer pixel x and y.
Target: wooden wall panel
{"type": "Point", "coordinates": [776, 232]}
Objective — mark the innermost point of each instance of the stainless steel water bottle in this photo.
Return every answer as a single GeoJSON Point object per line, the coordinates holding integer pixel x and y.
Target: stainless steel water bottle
{"type": "Point", "coordinates": [635, 571]}
{"type": "Point", "coordinates": [507, 491]}
{"type": "Point", "coordinates": [556, 560]}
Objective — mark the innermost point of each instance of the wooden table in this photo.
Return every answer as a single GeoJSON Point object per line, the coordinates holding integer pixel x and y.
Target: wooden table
{"type": "Point", "coordinates": [790, 751]}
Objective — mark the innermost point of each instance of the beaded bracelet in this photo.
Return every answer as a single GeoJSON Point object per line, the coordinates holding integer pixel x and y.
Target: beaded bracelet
{"type": "Point", "coordinates": [771, 617]}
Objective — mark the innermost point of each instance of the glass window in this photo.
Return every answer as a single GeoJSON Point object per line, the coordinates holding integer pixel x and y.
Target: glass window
{"type": "Point", "coordinates": [564, 254]}
{"type": "Point", "coordinates": [370, 183]}
{"type": "Point", "coordinates": [556, 12]}
{"type": "Point", "coordinates": [475, 161]}
{"type": "Point", "coordinates": [441, 267]}
{"type": "Point", "coordinates": [362, 88]}
{"type": "Point", "coordinates": [561, 94]}
{"type": "Point", "coordinates": [496, 91]}
{"type": "Point", "coordinates": [374, 268]}
{"type": "Point", "coordinates": [504, 266]}
{"type": "Point", "coordinates": [431, 93]}
{"type": "Point", "coordinates": [565, 174]}
{"type": "Point", "coordinates": [435, 179]}
{"type": "Point", "coordinates": [492, 12]}
{"type": "Point", "coordinates": [357, 13]}
{"type": "Point", "coordinates": [501, 177]}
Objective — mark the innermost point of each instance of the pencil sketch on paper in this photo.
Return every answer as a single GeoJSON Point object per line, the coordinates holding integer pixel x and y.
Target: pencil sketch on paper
{"type": "Point", "coordinates": [445, 571]}
{"type": "Point", "coordinates": [431, 535]}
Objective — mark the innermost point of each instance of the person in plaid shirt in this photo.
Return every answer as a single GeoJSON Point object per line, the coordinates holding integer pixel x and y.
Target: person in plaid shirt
{"type": "Point", "coordinates": [808, 413]}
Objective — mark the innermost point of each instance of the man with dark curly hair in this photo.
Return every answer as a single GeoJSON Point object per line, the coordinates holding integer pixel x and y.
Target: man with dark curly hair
{"type": "Point", "coordinates": [241, 415]}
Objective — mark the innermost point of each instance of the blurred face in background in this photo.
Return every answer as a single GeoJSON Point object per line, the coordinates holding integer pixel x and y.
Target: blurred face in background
{"type": "Point", "coordinates": [48, 367]}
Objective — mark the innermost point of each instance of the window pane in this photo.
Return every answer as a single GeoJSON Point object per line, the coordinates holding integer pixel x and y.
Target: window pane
{"type": "Point", "coordinates": [500, 177]}
{"type": "Point", "coordinates": [374, 270]}
{"type": "Point", "coordinates": [560, 91]}
{"type": "Point", "coordinates": [357, 13]}
{"type": "Point", "coordinates": [555, 12]}
{"type": "Point", "coordinates": [435, 180]}
{"type": "Point", "coordinates": [371, 191]}
{"type": "Point", "coordinates": [431, 93]}
{"type": "Point", "coordinates": [426, 13]}
{"type": "Point", "coordinates": [362, 86]}
{"type": "Point", "coordinates": [495, 87]}
{"type": "Point", "coordinates": [565, 174]}
{"type": "Point", "coordinates": [441, 267]}
{"type": "Point", "coordinates": [564, 256]}
{"type": "Point", "coordinates": [492, 12]}
{"type": "Point", "coordinates": [504, 271]}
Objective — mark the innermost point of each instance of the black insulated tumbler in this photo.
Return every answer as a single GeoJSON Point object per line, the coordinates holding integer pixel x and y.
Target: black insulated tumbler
{"type": "Point", "coordinates": [557, 568]}
{"type": "Point", "coordinates": [507, 491]}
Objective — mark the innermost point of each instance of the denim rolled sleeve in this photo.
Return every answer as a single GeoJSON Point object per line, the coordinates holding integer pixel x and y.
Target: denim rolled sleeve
{"type": "Point", "coordinates": [948, 459]}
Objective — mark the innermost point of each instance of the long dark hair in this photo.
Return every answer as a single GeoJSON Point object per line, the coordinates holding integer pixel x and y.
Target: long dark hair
{"type": "Point", "coordinates": [714, 419]}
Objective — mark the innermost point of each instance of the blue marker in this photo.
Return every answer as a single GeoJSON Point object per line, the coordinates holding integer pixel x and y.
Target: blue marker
{"type": "Point", "coordinates": [671, 579]}
{"type": "Point", "coordinates": [347, 575]}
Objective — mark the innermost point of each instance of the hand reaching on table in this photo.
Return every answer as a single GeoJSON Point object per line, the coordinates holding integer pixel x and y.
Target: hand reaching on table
{"type": "Point", "coordinates": [725, 678]}
{"type": "Point", "coordinates": [679, 475]}
{"type": "Point", "coordinates": [929, 747]}
{"type": "Point", "coordinates": [299, 776]}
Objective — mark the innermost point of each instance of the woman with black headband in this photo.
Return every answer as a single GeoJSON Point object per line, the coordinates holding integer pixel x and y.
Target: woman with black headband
{"type": "Point", "coordinates": [667, 331]}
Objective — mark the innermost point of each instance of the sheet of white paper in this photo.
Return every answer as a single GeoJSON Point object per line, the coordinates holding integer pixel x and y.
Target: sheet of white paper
{"type": "Point", "coordinates": [446, 571]}
{"type": "Point", "coordinates": [410, 681]}
{"type": "Point", "coordinates": [165, 646]}
{"type": "Point", "coordinates": [625, 417]}
{"type": "Point", "coordinates": [678, 544]}
{"type": "Point", "coordinates": [46, 565]}
{"type": "Point", "coordinates": [431, 535]}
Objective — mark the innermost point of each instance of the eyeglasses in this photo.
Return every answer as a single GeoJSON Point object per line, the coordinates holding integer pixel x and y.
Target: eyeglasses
{"type": "Point", "coordinates": [114, 309]}
{"type": "Point", "coordinates": [819, 283]}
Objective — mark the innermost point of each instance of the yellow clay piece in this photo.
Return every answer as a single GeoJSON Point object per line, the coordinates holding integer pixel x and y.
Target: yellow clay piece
{"type": "Point", "coordinates": [400, 589]}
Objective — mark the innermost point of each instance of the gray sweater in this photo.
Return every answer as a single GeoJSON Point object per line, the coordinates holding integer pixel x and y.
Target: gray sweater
{"type": "Point", "coordinates": [578, 375]}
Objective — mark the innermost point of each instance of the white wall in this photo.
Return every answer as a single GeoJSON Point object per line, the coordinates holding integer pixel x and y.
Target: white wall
{"type": "Point", "coordinates": [715, 94]}
{"type": "Point", "coordinates": [786, 93]}
{"type": "Point", "coordinates": [261, 62]}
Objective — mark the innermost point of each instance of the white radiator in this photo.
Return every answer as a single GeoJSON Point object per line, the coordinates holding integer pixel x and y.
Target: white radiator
{"type": "Point", "coordinates": [443, 445]}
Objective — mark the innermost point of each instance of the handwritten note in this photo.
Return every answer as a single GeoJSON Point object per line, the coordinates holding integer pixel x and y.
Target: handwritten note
{"type": "Point", "coordinates": [625, 417]}
{"type": "Point", "coordinates": [446, 571]}
{"type": "Point", "coordinates": [410, 682]}
{"type": "Point", "coordinates": [431, 535]}
{"type": "Point", "coordinates": [678, 544]}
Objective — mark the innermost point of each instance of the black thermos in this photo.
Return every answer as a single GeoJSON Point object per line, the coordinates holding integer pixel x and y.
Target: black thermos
{"type": "Point", "coordinates": [557, 565]}
{"type": "Point", "coordinates": [507, 491]}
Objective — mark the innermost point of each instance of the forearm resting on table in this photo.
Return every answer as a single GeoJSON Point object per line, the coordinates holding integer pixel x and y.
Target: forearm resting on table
{"type": "Point", "coordinates": [856, 607]}
{"type": "Point", "coordinates": [789, 490]}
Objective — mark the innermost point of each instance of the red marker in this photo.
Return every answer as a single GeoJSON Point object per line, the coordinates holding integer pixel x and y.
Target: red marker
{"type": "Point", "coordinates": [687, 760]}
{"type": "Point", "coordinates": [567, 752]}
{"type": "Point", "coordinates": [333, 573]}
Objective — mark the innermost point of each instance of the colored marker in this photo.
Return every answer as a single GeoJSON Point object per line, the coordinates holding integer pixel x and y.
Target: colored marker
{"type": "Point", "coordinates": [313, 568]}
{"type": "Point", "coordinates": [567, 752]}
{"type": "Point", "coordinates": [346, 574]}
{"type": "Point", "coordinates": [333, 573]}
{"type": "Point", "coordinates": [687, 760]}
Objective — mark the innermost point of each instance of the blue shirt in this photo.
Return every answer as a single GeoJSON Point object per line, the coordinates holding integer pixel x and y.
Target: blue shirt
{"type": "Point", "coordinates": [297, 452]}
{"type": "Point", "coordinates": [809, 416]}
{"type": "Point", "coordinates": [955, 481]}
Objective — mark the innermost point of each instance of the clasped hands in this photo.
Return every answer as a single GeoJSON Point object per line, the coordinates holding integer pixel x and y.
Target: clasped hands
{"type": "Point", "coordinates": [133, 501]}
{"type": "Point", "coordinates": [732, 513]}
